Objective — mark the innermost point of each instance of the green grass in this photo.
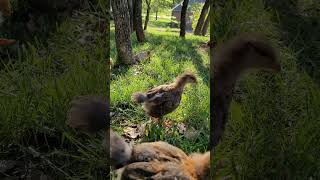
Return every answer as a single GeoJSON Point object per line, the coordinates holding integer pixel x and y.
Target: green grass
{"type": "Point", "coordinates": [272, 129]}
{"type": "Point", "coordinates": [171, 57]}
{"type": "Point", "coordinates": [36, 90]}
{"type": "Point", "coordinates": [161, 23]}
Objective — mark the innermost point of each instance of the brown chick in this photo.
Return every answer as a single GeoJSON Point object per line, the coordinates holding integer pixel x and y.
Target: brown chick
{"type": "Point", "coordinates": [164, 99]}
{"type": "Point", "coordinates": [160, 160]}
{"type": "Point", "coordinates": [154, 160]}
{"type": "Point", "coordinates": [230, 60]}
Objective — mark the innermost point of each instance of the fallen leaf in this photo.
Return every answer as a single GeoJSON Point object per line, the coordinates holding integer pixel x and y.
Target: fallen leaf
{"type": "Point", "coordinates": [181, 128]}
{"type": "Point", "coordinates": [168, 123]}
{"type": "Point", "coordinates": [134, 131]}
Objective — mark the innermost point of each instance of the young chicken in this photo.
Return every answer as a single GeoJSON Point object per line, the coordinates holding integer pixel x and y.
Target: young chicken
{"type": "Point", "coordinates": [160, 160]}
{"type": "Point", "coordinates": [164, 99]}
{"type": "Point", "coordinates": [157, 160]}
{"type": "Point", "coordinates": [230, 60]}
{"type": "Point", "coordinates": [154, 160]}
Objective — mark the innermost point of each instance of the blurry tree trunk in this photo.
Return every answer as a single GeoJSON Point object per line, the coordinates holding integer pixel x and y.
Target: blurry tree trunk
{"type": "Point", "coordinates": [148, 2]}
{"type": "Point", "coordinates": [130, 6]}
{"type": "Point", "coordinates": [205, 26]}
{"type": "Point", "coordinates": [138, 20]}
{"type": "Point", "coordinates": [183, 18]}
{"type": "Point", "coordinates": [202, 17]}
{"type": "Point", "coordinates": [213, 118]}
{"type": "Point", "coordinates": [157, 13]}
{"type": "Point", "coordinates": [122, 31]}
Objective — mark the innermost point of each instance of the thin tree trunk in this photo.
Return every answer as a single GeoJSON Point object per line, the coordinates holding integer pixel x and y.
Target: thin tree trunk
{"type": "Point", "coordinates": [202, 17]}
{"type": "Point", "coordinates": [147, 15]}
{"type": "Point", "coordinates": [183, 18]}
{"type": "Point", "coordinates": [157, 13]}
{"type": "Point", "coordinates": [138, 20]}
{"type": "Point", "coordinates": [205, 26]}
{"type": "Point", "coordinates": [122, 32]}
{"type": "Point", "coordinates": [213, 119]}
{"type": "Point", "coordinates": [130, 6]}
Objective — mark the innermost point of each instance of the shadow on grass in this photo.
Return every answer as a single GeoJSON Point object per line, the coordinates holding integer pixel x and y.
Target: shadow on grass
{"type": "Point", "coordinates": [183, 50]}
{"type": "Point", "coordinates": [302, 29]}
{"type": "Point", "coordinates": [180, 49]}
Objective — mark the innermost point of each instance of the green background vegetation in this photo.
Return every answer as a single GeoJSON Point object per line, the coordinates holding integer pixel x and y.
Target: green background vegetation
{"type": "Point", "coordinates": [274, 126]}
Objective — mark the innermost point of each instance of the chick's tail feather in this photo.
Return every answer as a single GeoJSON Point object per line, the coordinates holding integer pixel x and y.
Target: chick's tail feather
{"type": "Point", "coordinates": [88, 114]}
{"type": "Point", "coordinates": [138, 98]}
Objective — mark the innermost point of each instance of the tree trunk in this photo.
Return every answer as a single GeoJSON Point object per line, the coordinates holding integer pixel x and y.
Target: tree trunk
{"type": "Point", "coordinates": [202, 17]}
{"type": "Point", "coordinates": [122, 32]}
{"type": "Point", "coordinates": [183, 18]}
{"type": "Point", "coordinates": [212, 86]}
{"type": "Point", "coordinates": [130, 6]}
{"type": "Point", "coordinates": [157, 13]}
{"type": "Point", "coordinates": [147, 15]}
{"type": "Point", "coordinates": [138, 20]}
{"type": "Point", "coordinates": [205, 26]}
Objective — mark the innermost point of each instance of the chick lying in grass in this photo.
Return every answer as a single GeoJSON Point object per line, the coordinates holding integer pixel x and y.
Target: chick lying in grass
{"type": "Point", "coordinates": [231, 59]}
{"type": "Point", "coordinates": [160, 160]}
{"type": "Point", "coordinates": [164, 99]}
{"type": "Point", "coordinates": [154, 160]}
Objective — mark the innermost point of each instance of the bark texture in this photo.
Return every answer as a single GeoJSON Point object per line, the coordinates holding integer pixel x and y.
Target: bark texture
{"type": "Point", "coordinates": [205, 26]}
{"type": "Point", "coordinates": [122, 31]}
{"type": "Point", "coordinates": [212, 91]}
{"type": "Point", "coordinates": [183, 18]}
{"type": "Point", "coordinates": [201, 20]}
{"type": "Point", "coordinates": [130, 6]}
{"type": "Point", "coordinates": [138, 20]}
